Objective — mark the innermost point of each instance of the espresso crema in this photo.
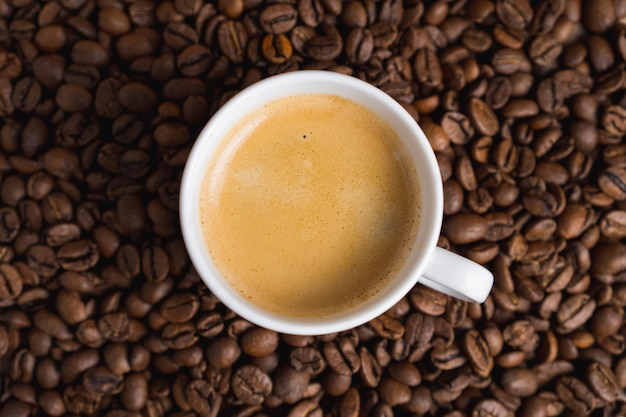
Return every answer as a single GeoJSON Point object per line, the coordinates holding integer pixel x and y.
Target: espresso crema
{"type": "Point", "coordinates": [310, 205]}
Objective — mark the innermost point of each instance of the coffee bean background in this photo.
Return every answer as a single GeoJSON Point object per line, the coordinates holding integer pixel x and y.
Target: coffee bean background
{"type": "Point", "coordinates": [101, 312]}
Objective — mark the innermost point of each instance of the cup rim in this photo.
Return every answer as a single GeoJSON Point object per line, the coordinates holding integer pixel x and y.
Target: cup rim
{"type": "Point", "coordinates": [196, 165]}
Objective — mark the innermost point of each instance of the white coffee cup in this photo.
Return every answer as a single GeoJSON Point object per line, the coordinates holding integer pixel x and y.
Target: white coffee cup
{"type": "Point", "coordinates": [427, 264]}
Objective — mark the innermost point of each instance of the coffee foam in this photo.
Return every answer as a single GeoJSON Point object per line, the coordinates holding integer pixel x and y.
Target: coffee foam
{"type": "Point", "coordinates": [310, 205]}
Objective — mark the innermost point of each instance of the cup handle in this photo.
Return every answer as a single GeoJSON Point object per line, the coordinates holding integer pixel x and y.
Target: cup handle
{"type": "Point", "coordinates": [457, 276]}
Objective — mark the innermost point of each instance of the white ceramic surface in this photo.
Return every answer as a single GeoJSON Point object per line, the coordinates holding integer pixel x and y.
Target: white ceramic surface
{"type": "Point", "coordinates": [429, 265]}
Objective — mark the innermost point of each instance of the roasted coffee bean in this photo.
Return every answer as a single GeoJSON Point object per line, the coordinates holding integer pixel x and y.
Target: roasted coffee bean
{"type": "Point", "coordinates": [290, 385]}
{"type": "Point", "coordinates": [371, 370]}
{"type": "Point", "coordinates": [599, 16]}
{"type": "Point", "coordinates": [51, 402]}
{"type": "Point", "coordinates": [83, 75]}
{"type": "Point", "coordinates": [359, 45]}
{"type": "Point", "coordinates": [476, 40]}
{"type": "Point", "coordinates": [508, 36]}
{"type": "Point", "coordinates": [509, 61]}
{"type": "Point", "coordinates": [73, 98]}
{"type": "Point", "coordinates": [276, 48]}
{"type": "Point", "coordinates": [465, 174]}
{"type": "Point", "coordinates": [341, 357]}
{"type": "Point", "coordinates": [545, 49]}
{"type": "Point", "coordinates": [102, 381]}
{"type": "Point", "coordinates": [71, 308]}
{"type": "Point", "coordinates": [490, 407]}
{"type": "Point", "coordinates": [10, 65]}
{"type": "Point", "coordinates": [300, 36]}
{"type": "Point", "coordinates": [48, 69]}
{"type": "Point", "coordinates": [573, 312]}
{"type": "Point", "coordinates": [188, 7]}
{"type": "Point", "coordinates": [575, 395]}
{"type": "Point", "coordinates": [387, 327]}
{"type": "Point", "coordinates": [115, 327]}
{"type": "Point", "coordinates": [405, 373]}
{"type": "Point", "coordinates": [251, 385]}
{"type": "Point", "coordinates": [78, 256]}
{"type": "Point", "coordinates": [258, 342]}
{"type": "Point", "coordinates": [135, 392]}
{"type": "Point", "coordinates": [34, 136]}
{"type": "Point", "coordinates": [520, 108]}
{"type": "Point", "coordinates": [223, 352]}
{"type": "Point", "coordinates": [131, 214]}
{"type": "Point", "coordinates": [154, 263]}
{"type": "Point", "coordinates": [278, 18]}
{"type": "Point", "coordinates": [447, 358]}
{"type": "Point", "coordinates": [574, 219]}
{"type": "Point", "coordinates": [615, 155]}
{"type": "Point", "coordinates": [311, 12]}
{"type": "Point", "coordinates": [202, 398]}
{"type": "Point", "coordinates": [514, 14]}
{"type": "Point", "coordinates": [384, 34]}
{"type": "Point", "coordinates": [26, 94]}
{"type": "Point", "coordinates": [128, 261]}
{"type": "Point", "coordinates": [546, 16]}
{"type": "Point", "coordinates": [572, 82]}
{"type": "Point", "coordinates": [62, 163]}
{"type": "Point", "coordinates": [419, 333]}
{"type": "Point", "coordinates": [614, 120]}
{"type": "Point", "coordinates": [9, 224]}
{"type": "Point", "coordinates": [87, 52]}
{"type": "Point", "coordinates": [153, 292]}
{"type": "Point", "coordinates": [427, 68]}
{"type": "Point", "coordinates": [135, 44]}
{"type": "Point", "coordinates": [483, 118]}
{"type": "Point", "coordinates": [106, 103]}
{"type": "Point", "coordinates": [612, 181]}
{"type": "Point", "coordinates": [458, 127]}
{"type": "Point", "coordinates": [232, 38]}
{"type": "Point", "coordinates": [605, 321]}
{"type": "Point", "coordinates": [42, 260]}
{"type": "Point", "coordinates": [11, 282]}
{"type": "Point", "coordinates": [137, 97]}
{"type": "Point", "coordinates": [325, 47]}
{"type": "Point", "coordinates": [465, 228]}
{"type": "Point", "coordinates": [478, 351]}
{"type": "Point", "coordinates": [194, 60]}
{"type": "Point", "coordinates": [180, 308]}
{"type": "Point", "coordinates": [394, 392]}
{"type": "Point", "coordinates": [354, 14]}
{"type": "Point", "coordinates": [607, 259]}
{"type": "Point", "coordinates": [519, 382]}
{"type": "Point", "coordinates": [6, 104]}
{"type": "Point", "coordinates": [171, 134]}
{"type": "Point", "coordinates": [603, 382]}
{"type": "Point", "coordinates": [428, 301]}
{"type": "Point", "coordinates": [544, 403]}
{"type": "Point", "coordinates": [232, 9]}
{"type": "Point", "coordinates": [134, 163]}
{"type": "Point", "coordinates": [307, 359]}
{"type": "Point", "coordinates": [179, 335]}
{"type": "Point", "coordinates": [113, 21]}
{"type": "Point", "coordinates": [613, 224]}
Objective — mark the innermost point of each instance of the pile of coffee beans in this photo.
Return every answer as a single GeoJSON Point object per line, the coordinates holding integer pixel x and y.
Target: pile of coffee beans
{"type": "Point", "coordinates": [101, 313]}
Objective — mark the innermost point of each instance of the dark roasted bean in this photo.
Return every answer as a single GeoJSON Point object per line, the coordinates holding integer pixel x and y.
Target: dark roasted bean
{"type": "Point", "coordinates": [514, 14]}
{"type": "Point", "coordinates": [278, 18]}
{"type": "Point", "coordinates": [251, 385]}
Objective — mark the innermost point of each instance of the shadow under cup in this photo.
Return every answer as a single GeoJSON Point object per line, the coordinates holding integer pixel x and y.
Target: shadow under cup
{"type": "Point", "coordinates": [313, 82]}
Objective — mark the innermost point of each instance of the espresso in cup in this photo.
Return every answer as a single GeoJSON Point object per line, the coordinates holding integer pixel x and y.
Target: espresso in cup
{"type": "Point", "coordinates": [312, 202]}
{"type": "Point", "coordinates": [310, 205]}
